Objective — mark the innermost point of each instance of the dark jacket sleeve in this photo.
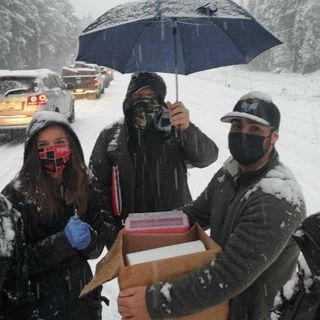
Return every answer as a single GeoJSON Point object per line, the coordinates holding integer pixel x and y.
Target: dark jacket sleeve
{"type": "Point", "coordinates": [44, 254]}
{"type": "Point", "coordinates": [198, 149]}
{"type": "Point", "coordinates": [7, 241]}
{"type": "Point", "coordinates": [4, 267]}
{"type": "Point", "coordinates": [264, 230]}
{"type": "Point", "coordinates": [101, 168]}
{"type": "Point", "coordinates": [47, 253]}
{"type": "Point", "coordinates": [199, 211]}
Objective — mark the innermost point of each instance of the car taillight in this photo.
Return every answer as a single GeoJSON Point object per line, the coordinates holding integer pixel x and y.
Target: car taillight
{"type": "Point", "coordinates": [38, 100]}
{"type": "Point", "coordinates": [95, 82]}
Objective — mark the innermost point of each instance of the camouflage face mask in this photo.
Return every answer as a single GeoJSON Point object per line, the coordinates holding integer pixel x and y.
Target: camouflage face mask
{"type": "Point", "coordinates": [145, 112]}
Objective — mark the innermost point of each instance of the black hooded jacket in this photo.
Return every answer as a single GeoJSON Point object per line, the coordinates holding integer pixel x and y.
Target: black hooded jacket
{"type": "Point", "coordinates": [57, 272]}
{"type": "Point", "coordinates": [152, 167]}
{"type": "Point", "coordinates": [154, 177]}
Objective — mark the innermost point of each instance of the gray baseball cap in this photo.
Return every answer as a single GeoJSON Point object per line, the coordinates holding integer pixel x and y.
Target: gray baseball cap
{"type": "Point", "coordinates": [258, 107]}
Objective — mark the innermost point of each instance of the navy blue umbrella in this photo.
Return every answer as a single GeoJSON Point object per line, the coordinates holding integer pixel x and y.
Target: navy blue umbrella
{"type": "Point", "coordinates": [174, 36]}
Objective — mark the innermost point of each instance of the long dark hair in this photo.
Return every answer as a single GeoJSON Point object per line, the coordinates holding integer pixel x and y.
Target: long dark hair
{"type": "Point", "coordinates": [44, 191]}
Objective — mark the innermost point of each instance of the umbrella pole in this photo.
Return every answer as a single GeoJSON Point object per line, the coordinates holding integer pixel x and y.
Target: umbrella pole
{"type": "Point", "coordinates": [174, 32]}
{"type": "Point", "coordinates": [177, 93]}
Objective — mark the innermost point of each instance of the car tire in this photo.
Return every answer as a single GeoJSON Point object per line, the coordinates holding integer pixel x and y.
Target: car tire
{"type": "Point", "coordinates": [98, 95]}
{"type": "Point", "coordinates": [72, 117]}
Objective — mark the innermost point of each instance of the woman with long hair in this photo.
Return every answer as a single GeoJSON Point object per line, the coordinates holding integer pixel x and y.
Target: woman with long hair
{"type": "Point", "coordinates": [62, 225]}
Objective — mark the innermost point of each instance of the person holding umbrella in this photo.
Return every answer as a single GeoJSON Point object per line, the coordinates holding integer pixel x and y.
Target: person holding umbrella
{"type": "Point", "coordinates": [63, 227]}
{"type": "Point", "coordinates": [143, 160]}
{"type": "Point", "coordinates": [252, 205]}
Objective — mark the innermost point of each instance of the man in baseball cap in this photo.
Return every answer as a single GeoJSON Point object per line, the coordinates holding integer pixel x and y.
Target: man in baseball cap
{"type": "Point", "coordinates": [255, 121]}
{"type": "Point", "coordinates": [256, 106]}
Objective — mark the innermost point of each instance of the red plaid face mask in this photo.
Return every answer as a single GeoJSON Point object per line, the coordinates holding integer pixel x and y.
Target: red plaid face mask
{"type": "Point", "coordinates": [54, 159]}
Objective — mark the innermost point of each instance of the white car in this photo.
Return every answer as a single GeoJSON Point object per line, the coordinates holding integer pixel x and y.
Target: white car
{"type": "Point", "coordinates": [24, 92]}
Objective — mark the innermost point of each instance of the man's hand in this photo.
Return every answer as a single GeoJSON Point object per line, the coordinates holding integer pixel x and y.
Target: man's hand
{"type": "Point", "coordinates": [132, 303]}
{"type": "Point", "coordinates": [179, 115]}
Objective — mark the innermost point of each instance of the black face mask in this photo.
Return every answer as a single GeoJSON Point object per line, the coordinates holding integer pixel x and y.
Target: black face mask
{"type": "Point", "coordinates": [246, 148]}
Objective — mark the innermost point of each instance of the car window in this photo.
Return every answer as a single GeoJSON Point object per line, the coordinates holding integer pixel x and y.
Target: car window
{"type": "Point", "coordinates": [50, 82]}
{"type": "Point", "coordinates": [59, 82]}
{"type": "Point", "coordinates": [47, 83]}
{"type": "Point", "coordinates": [12, 83]}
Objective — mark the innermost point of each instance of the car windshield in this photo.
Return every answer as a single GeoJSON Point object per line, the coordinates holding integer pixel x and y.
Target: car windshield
{"type": "Point", "coordinates": [10, 84]}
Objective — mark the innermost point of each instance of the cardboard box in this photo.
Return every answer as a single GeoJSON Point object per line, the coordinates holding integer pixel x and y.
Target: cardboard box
{"type": "Point", "coordinates": [113, 264]}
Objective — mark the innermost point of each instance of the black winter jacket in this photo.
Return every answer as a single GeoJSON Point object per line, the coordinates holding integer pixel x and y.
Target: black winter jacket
{"type": "Point", "coordinates": [299, 298]}
{"type": "Point", "coordinates": [16, 298]}
{"type": "Point", "coordinates": [58, 272]}
{"type": "Point", "coordinates": [162, 180]}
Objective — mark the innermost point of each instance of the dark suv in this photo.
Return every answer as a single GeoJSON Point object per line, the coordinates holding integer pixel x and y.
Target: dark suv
{"type": "Point", "coordinates": [23, 92]}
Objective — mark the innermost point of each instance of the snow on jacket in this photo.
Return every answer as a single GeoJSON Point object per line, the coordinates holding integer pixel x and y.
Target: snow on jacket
{"type": "Point", "coordinates": [163, 182]}
{"type": "Point", "coordinates": [16, 299]}
{"type": "Point", "coordinates": [252, 217]}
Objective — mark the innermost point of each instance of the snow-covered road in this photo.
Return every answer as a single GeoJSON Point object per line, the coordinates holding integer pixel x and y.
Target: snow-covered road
{"type": "Point", "coordinates": [209, 95]}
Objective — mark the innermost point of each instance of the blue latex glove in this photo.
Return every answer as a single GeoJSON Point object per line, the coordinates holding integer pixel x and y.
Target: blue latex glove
{"type": "Point", "coordinates": [78, 233]}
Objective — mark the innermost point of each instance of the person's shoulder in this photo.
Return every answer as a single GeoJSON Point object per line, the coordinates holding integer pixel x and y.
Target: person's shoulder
{"type": "Point", "coordinates": [281, 183]}
{"type": "Point", "coordinates": [114, 125]}
{"type": "Point", "coordinates": [15, 185]}
{"type": "Point", "coordinates": [111, 129]}
{"type": "Point", "coordinates": [5, 205]}
{"type": "Point", "coordinates": [282, 175]}
{"type": "Point", "coordinates": [8, 224]}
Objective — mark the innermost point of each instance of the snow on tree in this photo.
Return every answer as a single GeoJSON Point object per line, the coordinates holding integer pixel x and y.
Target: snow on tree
{"type": "Point", "coordinates": [37, 34]}
{"type": "Point", "coordinates": [296, 24]}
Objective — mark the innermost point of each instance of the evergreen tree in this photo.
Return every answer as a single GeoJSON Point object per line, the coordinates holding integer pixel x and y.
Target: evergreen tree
{"type": "Point", "coordinates": [296, 23]}
{"type": "Point", "coordinates": [37, 34]}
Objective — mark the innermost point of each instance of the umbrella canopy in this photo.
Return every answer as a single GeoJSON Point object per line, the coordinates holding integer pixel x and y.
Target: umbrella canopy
{"type": "Point", "coordinates": [174, 36]}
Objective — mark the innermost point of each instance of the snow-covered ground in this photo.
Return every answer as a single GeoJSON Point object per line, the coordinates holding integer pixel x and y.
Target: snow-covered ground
{"type": "Point", "coordinates": [209, 95]}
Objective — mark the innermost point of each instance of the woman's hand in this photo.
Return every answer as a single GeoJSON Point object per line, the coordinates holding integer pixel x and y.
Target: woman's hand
{"type": "Point", "coordinates": [78, 233]}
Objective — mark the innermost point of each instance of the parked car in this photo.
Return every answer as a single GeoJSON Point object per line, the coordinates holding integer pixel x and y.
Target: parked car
{"type": "Point", "coordinates": [23, 92]}
{"type": "Point", "coordinates": [107, 75]}
{"type": "Point", "coordinates": [86, 79]}
{"type": "Point", "coordinates": [106, 72]}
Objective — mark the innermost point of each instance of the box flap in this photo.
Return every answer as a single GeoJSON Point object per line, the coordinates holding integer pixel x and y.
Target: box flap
{"type": "Point", "coordinates": [108, 267]}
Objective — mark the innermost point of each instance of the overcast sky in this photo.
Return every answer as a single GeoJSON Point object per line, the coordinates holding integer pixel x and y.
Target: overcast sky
{"type": "Point", "coordinates": [94, 7]}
